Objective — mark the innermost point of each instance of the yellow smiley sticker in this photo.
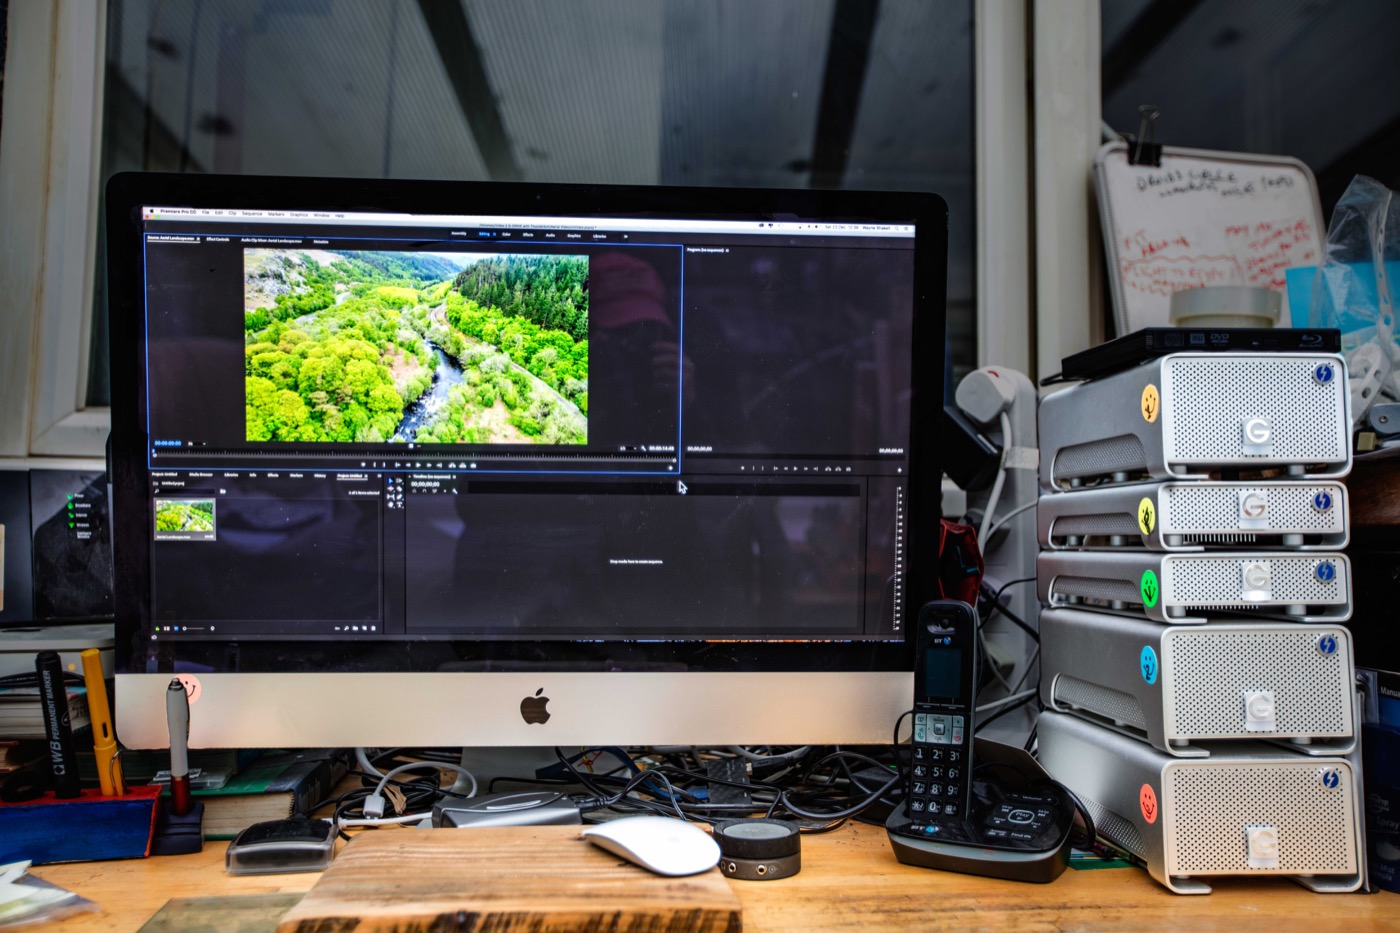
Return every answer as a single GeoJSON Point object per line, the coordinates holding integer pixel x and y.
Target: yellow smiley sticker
{"type": "Point", "coordinates": [1150, 403]}
{"type": "Point", "coordinates": [1146, 516]}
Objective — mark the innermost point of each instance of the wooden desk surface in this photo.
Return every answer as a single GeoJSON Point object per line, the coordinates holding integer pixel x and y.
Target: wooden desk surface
{"type": "Point", "coordinates": [849, 880]}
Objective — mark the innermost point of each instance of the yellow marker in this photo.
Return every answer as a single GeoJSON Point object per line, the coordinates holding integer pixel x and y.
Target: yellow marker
{"type": "Point", "coordinates": [1147, 516]}
{"type": "Point", "coordinates": [1150, 403]}
{"type": "Point", "coordinates": [104, 741]}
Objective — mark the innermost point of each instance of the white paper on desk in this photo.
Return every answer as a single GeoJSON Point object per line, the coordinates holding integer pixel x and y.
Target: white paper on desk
{"type": "Point", "coordinates": [24, 898]}
{"type": "Point", "coordinates": [10, 888]}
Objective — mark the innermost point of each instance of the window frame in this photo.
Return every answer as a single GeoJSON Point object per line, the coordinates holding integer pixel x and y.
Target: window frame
{"type": "Point", "coordinates": [1032, 201]}
{"type": "Point", "coordinates": [49, 170]}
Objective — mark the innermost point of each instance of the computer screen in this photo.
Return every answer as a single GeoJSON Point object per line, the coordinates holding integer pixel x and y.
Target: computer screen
{"type": "Point", "coordinates": [517, 464]}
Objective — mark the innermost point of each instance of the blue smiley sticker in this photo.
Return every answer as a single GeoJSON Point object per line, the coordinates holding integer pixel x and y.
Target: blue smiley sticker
{"type": "Point", "coordinates": [1147, 664]}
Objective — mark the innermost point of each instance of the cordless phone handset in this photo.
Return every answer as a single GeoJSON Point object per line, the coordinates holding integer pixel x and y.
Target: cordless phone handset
{"type": "Point", "coordinates": [945, 684]}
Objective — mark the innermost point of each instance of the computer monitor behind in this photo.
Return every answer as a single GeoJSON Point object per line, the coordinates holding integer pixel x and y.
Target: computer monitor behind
{"type": "Point", "coordinates": [427, 463]}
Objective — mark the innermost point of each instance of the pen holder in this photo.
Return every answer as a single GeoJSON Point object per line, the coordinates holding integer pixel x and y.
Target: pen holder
{"type": "Point", "coordinates": [178, 834]}
{"type": "Point", "coordinates": [82, 829]}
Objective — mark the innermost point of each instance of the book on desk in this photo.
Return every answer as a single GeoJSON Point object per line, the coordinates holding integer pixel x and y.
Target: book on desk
{"type": "Point", "coordinates": [21, 717]}
{"type": "Point", "coordinates": [277, 784]}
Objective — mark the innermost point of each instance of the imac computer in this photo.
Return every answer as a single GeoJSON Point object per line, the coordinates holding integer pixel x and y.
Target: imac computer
{"type": "Point", "coordinates": [475, 464]}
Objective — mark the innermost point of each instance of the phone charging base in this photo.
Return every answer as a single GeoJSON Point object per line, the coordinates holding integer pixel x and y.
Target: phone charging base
{"type": "Point", "coordinates": [1038, 866]}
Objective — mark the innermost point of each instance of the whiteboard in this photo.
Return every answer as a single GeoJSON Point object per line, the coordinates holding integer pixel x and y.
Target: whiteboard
{"type": "Point", "coordinates": [1202, 218]}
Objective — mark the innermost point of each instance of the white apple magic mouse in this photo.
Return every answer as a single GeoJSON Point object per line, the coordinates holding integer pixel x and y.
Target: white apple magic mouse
{"type": "Point", "coordinates": [662, 844]}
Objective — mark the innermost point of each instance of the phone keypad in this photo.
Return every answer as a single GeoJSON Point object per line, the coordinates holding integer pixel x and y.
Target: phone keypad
{"type": "Point", "coordinates": [937, 788]}
{"type": "Point", "coordinates": [938, 729]}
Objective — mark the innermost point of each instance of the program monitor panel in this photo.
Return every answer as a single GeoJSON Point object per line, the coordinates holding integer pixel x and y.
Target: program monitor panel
{"type": "Point", "coordinates": [503, 429]}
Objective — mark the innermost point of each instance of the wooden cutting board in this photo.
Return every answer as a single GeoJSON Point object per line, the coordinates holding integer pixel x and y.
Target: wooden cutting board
{"type": "Point", "coordinates": [539, 879]}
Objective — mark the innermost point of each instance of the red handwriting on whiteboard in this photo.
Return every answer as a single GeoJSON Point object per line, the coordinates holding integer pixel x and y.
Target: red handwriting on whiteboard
{"type": "Point", "coordinates": [1163, 275]}
{"type": "Point", "coordinates": [1267, 248]}
{"type": "Point", "coordinates": [1145, 246]}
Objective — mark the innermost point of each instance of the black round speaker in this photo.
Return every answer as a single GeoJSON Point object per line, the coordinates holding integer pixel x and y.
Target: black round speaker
{"type": "Point", "coordinates": [759, 849]}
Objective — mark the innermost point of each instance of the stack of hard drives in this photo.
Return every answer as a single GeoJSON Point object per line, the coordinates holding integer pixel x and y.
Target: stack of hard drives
{"type": "Point", "coordinates": [1196, 672]}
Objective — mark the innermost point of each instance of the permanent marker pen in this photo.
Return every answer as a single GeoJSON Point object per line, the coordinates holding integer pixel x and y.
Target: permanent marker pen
{"type": "Point", "coordinates": [177, 713]}
{"type": "Point", "coordinates": [58, 730]}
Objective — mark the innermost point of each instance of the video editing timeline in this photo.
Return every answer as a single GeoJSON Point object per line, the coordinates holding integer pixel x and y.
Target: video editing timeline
{"type": "Point", "coordinates": [536, 428]}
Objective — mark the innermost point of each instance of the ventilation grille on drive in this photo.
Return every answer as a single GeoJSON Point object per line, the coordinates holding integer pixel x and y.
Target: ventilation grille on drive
{"type": "Point", "coordinates": [1211, 672]}
{"type": "Point", "coordinates": [1236, 540]}
{"type": "Point", "coordinates": [1212, 508]}
{"type": "Point", "coordinates": [1214, 805]}
{"type": "Point", "coordinates": [1083, 526]}
{"type": "Point", "coordinates": [1102, 589]}
{"type": "Point", "coordinates": [1114, 828]}
{"type": "Point", "coordinates": [1210, 399]}
{"type": "Point", "coordinates": [1202, 581]}
{"type": "Point", "coordinates": [1122, 454]}
{"type": "Point", "coordinates": [1114, 705]}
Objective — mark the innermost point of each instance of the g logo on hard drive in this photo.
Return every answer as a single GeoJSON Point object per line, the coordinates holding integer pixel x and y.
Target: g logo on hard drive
{"type": "Point", "coordinates": [1256, 579]}
{"type": "Point", "coordinates": [1327, 644]}
{"type": "Point", "coordinates": [1326, 571]}
{"type": "Point", "coordinates": [1323, 374]}
{"type": "Point", "coordinates": [1258, 431]}
{"type": "Point", "coordinates": [1254, 505]}
{"type": "Point", "coordinates": [1322, 501]}
{"type": "Point", "coordinates": [1330, 778]}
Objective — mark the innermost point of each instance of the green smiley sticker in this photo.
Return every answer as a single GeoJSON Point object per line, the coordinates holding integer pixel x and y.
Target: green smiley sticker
{"type": "Point", "coordinates": [1149, 589]}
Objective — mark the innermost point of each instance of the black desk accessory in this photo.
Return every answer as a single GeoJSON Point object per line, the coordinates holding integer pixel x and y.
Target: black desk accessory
{"type": "Point", "coordinates": [1150, 343]}
{"type": "Point", "coordinates": [281, 847]}
{"type": "Point", "coordinates": [759, 849]}
{"type": "Point", "coordinates": [177, 833]}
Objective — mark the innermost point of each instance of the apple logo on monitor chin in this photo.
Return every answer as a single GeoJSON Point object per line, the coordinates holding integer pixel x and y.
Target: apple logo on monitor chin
{"type": "Point", "coordinates": [532, 709]}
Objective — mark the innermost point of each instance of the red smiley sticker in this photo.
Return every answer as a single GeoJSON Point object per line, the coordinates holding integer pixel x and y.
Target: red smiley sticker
{"type": "Point", "coordinates": [1147, 799]}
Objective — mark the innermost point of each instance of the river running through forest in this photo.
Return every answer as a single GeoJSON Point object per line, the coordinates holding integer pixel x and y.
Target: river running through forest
{"type": "Point", "coordinates": [425, 410]}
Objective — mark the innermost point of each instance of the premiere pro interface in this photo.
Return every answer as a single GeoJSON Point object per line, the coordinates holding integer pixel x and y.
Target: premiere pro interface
{"type": "Point", "coordinates": [388, 426]}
